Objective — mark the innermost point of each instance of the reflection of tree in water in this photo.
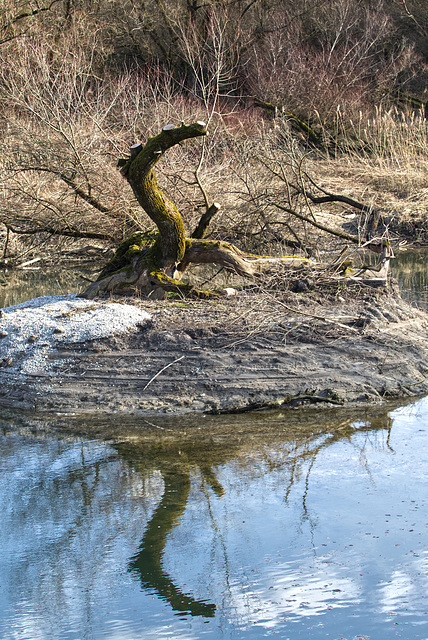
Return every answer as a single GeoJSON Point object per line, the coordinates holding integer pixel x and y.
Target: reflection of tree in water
{"type": "Point", "coordinates": [293, 443]}
{"type": "Point", "coordinates": [411, 270]}
{"type": "Point", "coordinates": [308, 451]}
{"type": "Point", "coordinates": [148, 561]}
{"type": "Point", "coordinates": [175, 462]}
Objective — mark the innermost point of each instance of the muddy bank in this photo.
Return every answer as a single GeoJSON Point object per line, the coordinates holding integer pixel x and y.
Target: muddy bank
{"type": "Point", "coordinates": [248, 353]}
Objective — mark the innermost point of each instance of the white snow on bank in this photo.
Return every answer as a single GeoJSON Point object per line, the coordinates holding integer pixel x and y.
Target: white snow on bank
{"type": "Point", "coordinates": [31, 330]}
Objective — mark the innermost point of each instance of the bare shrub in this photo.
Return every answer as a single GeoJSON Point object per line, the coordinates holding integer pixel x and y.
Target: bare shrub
{"type": "Point", "coordinates": [64, 130]}
{"type": "Point", "coordinates": [339, 55]}
{"type": "Point", "coordinates": [69, 111]}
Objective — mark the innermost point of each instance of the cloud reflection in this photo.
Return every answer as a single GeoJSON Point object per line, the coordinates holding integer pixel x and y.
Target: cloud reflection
{"type": "Point", "coordinates": [308, 587]}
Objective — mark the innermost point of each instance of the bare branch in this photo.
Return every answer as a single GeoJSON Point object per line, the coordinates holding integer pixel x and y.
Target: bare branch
{"type": "Point", "coordinates": [69, 233]}
{"type": "Point", "coordinates": [374, 246]}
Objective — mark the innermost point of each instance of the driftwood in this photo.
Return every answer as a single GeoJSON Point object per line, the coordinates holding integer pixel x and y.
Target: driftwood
{"type": "Point", "coordinates": [373, 275]}
{"type": "Point", "coordinates": [374, 215]}
{"type": "Point", "coordinates": [377, 247]}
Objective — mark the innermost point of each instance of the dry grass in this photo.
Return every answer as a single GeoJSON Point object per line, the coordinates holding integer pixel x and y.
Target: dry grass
{"type": "Point", "coordinates": [392, 151]}
{"type": "Point", "coordinates": [384, 162]}
{"type": "Point", "coordinates": [66, 128]}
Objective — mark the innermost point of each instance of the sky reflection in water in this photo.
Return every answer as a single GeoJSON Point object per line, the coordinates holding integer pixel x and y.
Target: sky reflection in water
{"type": "Point", "coordinates": [318, 534]}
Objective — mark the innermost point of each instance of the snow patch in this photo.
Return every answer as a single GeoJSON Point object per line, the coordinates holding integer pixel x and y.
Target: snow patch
{"type": "Point", "coordinates": [30, 331]}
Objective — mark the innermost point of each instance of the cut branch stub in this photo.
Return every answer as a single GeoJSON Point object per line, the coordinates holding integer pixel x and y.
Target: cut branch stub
{"type": "Point", "coordinates": [139, 171]}
{"type": "Point", "coordinates": [205, 220]}
{"type": "Point", "coordinates": [135, 150]}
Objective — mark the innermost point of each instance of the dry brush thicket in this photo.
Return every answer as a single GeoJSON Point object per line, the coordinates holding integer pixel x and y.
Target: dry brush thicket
{"type": "Point", "coordinates": [302, 100]}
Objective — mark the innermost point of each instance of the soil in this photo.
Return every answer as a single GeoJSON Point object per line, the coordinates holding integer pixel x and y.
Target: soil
{"type": "Point", "coordinates": [331, 345]}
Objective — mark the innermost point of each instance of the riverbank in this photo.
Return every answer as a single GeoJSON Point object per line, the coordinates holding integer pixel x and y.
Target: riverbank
{"type": "Point", "coordinates": [357, 347]}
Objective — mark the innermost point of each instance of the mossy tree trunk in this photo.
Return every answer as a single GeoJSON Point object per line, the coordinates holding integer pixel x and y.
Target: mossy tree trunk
{"type": "Point", "coordinates": [139, 172]}
{"type": "Point", "coordinates": [149, 261]}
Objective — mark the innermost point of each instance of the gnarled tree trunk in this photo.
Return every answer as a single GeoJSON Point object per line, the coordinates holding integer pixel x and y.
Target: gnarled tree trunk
{"type": "Point", "coordinates": [148, 261]}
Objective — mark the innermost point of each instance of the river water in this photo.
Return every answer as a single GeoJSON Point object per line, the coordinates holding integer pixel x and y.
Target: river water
{"type": "Point", "coordinates": [294, 525]}
{"type": "Point", "coordinates": [274, 525]}
{"type": "Point", "coordinates": [409, 267]}
{"type": "Point", "coordinates": [411, 270]}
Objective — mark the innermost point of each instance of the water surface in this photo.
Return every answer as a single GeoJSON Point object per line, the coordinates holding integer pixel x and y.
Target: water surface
{"type": "Point", "coordinates": [409, 267]}
{"type": "Point", "coordinates": [289, 525]}
{"type": "Point", "coordinates": [411, 270]}
{"type": "Point", "coordinates": [19, 285]}
{"type": "Point", "coordinates": [283, 525]}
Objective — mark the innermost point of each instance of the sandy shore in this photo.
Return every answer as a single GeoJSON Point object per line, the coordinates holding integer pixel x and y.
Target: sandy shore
{"type": "Point", "coordinates": [235, 356]}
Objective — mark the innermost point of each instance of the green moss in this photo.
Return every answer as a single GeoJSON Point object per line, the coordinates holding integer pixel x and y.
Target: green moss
{"type": "Point", "coordinates": [142, 178]}
{"type": "Point", "coordinates": [139, 242]}
{"type": "Point", "coordinates": [176, 286]}
{"type": "Point", "coordinates": [163, 279]}
{"type": "Point", "coordinates": [346, 268]}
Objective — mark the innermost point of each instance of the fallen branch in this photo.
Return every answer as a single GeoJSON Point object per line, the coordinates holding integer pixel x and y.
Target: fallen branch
{"type": "Point", "coordinates": [331, 197]}
{"type": "Point", "coordinates": [232, 259]}
{"type": "Point", "coordinates": [313, 137]}
{"type": "Point", "coordinates": [26, 264]}
{"type": "Point", "coordinates": [312, 315]}
{"type": "Point", "coordinates": [376, 247]}
{"type": "Point", "coordinates": [71, 232]}
{"type": "Point", "coordinates": [276, 404]}
{"type": "Point", "coordinates": [162, 370]}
